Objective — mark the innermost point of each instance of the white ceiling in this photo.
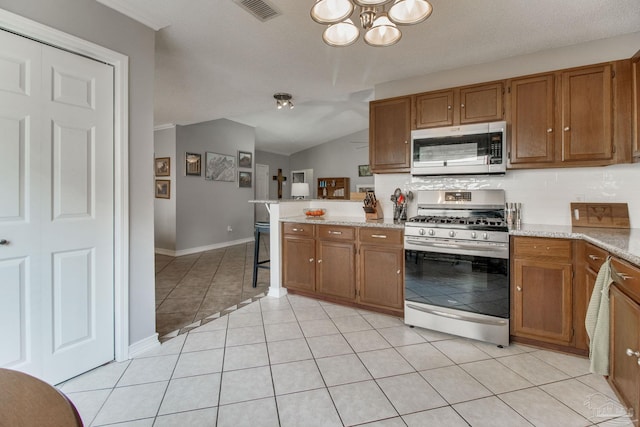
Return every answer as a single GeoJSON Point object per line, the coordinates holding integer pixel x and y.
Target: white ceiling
{"type": "Point", "coordinates": [215, 60]}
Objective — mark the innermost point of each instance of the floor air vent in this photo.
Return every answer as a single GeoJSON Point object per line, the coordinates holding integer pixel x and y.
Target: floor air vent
{"type": "Point", "coordinates": [259, 8]}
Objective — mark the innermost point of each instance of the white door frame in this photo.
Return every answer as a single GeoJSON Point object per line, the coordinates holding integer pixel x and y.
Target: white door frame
{"type": "Point", "coordinates": [34, 30]}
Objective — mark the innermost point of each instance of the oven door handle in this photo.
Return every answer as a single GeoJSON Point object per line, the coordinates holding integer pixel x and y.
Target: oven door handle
{"type": "Point", "coordinates": [457, 316]}
{"type": "Point", "coordinates": [455, 245]}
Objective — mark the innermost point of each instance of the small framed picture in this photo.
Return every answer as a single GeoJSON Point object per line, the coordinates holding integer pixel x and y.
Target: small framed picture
{"type": "Point", "coordinates": [244, 179]}
{"type": "Point", "coordinates": [364, 170]}
{"type": "Point", "coordinates": [193, 164]}
{"type": "Point", "coordinates": [163, 189]}
{"type": "Point", "coordinates": [163, 166]}
{"type": "Point", "coordinates": [245, 159]}
{"type": "Point", "coordinates": [220, 167]}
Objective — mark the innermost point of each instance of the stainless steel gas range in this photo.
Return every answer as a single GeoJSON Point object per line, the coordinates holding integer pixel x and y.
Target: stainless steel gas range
{"type": "Point", "coordinates": [457, 264]}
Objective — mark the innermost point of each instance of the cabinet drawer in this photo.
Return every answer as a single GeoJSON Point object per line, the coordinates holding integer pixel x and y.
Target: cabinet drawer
{"type": "Point", "coordinates": [594, 256]}
{"type": "Point", "coordinates": [336, 232]}
{"type": "Point", "coordinates": [533, 247]}
{"type": "Point", "coordinates": [297, 229]}
{"type": "Point", "coordinates": [380, 236]}
{"type": "Point", "coordinates": [627, 277]}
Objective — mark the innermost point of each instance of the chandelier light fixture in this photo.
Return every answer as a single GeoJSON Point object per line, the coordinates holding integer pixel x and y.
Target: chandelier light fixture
{"type": "Point", "coordinates": [379, 19]}
{"type": "Point", "coordinates": [283, 100]}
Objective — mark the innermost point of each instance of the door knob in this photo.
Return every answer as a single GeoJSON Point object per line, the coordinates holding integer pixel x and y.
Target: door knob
{"type": "Point", "coordinates": [566, 129]}
{"type": "Point", "coordinates": [549, 130]}
{"type": "Point", "coordinates": [310, 259]}
{"type": "Point", "coordinates": [519, 288]}
{"type": "Point", "coordinates": [4, 242]}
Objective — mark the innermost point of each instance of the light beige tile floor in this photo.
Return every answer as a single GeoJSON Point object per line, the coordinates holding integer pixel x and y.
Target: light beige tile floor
{"type": "Point", "coordinates": [261, 365]}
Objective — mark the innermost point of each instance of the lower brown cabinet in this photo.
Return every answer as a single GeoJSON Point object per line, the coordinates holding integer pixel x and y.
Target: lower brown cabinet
{"type": "Point", "coordinates": [381, 256]}
{"type": "Point", "coordinates": [336, 262]}
{"type": "Point", "coordinates": [542, 294]}
{"type": "Point", "coordinates": [624, 360]}
{"type": "Point", "coordinates": [356, 265]}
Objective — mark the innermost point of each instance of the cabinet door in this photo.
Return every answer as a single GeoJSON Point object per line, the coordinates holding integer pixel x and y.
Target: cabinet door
{"type": "Point", "coordinates": [542, 300]}
{"type": "Point", "coordinates": [482, 103]}
{"type": "Point", "coordinates": [587, 114]}
{"type": "Point", "coordinates": [298, 263]}
{"type": "Point", "coordinates": [624, 372]}
{"type": "Point", "coordinates": [336, 271]}
{"type": "Point", "coordinates": [433, 109]}
{"type": "Point", "coordinates": [381, 273]}
{"type": "Point", "coordinates": [389, 135]}
{"type": "Point", "coordinates": [531, 114]}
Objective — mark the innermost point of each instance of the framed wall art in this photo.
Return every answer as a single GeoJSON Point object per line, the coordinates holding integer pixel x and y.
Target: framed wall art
{"type": "Point", "coordinates": [163, 189]}
{"type": "Point", "coordinates": [364, 170]}
{"type": "Point", "coordinates": [245, 159]}
{"type": "Point", "coordinates": [220, 167]}
{"type": "Point", "coordinates": [244, 179]}
{"type": "Point", "coordinates": [163, 166]}
{"type": "Point", "coordinates": [193, 164]}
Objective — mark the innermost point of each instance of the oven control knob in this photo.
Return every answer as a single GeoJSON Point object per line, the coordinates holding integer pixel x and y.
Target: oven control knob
{"type": "Point", "coordinates": [485, 236]}
{"type": "Point", "coordinates": [452, 233]}
{"type": "Point", "coordinates": [473, 235]}
{"type": "Point", "coordinates": [421, 232]}
{"type": "Point", "coordinates": [432, 232]}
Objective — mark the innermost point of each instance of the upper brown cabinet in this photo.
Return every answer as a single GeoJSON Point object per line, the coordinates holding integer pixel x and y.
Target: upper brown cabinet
{"type": "Point", "coordinates": [464, 105]}
{"type": "Point", "coordinates": [433, 109]}
{"type": "Point", "coordinates": [566, 118]}
{"type": "Point", "coordinates": [635, 81]}
{"type": "Point", "coordinates": [481, 103]}
{"type": "Point", "coordinates": [587, 114]}
{"type": "Point", "coordinates": [389, 135]}
{"type": "Point", "coordinates": [531, 114]}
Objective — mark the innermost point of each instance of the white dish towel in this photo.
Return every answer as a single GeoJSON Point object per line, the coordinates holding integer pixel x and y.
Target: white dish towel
{"type": "Point", "coordinates": [597, 321]}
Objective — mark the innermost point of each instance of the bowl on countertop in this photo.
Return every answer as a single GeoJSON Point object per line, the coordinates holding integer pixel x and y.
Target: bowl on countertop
{"type": "Point", "coordinates": [314, 212]}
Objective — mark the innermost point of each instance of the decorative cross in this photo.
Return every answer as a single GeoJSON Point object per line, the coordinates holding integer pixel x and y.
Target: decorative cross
{"type": "Point", "coordinates": [280, 178]}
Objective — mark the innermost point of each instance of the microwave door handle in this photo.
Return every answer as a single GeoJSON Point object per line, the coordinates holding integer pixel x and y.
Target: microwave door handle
{"type": "Point", "coordinates": [483, 160]}
{"type": "Point", "coordinates": [428, 163]}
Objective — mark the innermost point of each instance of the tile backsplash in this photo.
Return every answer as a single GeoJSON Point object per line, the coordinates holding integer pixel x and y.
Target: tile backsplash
{"type": "Point", "coordinates": [545, 194]}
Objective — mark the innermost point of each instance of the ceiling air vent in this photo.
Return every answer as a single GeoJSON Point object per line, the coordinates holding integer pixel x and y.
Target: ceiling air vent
{"type": "Point", "coordinates": [259, 8]}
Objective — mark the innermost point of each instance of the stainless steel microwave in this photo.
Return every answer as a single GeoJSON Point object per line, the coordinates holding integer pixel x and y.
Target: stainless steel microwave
{"type": "Point", "coordinates": [476, 149]}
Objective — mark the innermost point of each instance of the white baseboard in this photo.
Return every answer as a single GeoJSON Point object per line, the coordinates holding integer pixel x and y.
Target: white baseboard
{"type": "Point", "coordinates": [181, 252]}
{"type": "Point", "coordinates": [144, 345]}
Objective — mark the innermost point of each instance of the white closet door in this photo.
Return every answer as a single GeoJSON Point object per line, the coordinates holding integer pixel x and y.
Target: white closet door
{"type": "Point", "coordinates": [20, 202]}
{"type": "Point", "coordinates": [69, 264]}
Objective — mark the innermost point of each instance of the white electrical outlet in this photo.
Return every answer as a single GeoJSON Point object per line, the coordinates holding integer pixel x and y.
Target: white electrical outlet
{"type": "Point", "coordinates": [229, 229]}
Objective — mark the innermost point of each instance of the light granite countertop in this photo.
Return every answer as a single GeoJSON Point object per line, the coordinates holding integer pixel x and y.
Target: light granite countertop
{"type": "Point", "coordinates": [623, 243]}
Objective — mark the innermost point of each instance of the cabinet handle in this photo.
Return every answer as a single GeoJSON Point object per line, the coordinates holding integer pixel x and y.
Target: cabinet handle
{"type": "Point", "coordinates": [335, 232]}
{"type": "Point", "coordinates": [632, 353]}
{"type": "Point", "coordinates": [297, 229]}
{"type": "Point", "coordinates": [567, 129]}
{"type": "Point", "coordinates": [448, 107]}
{"type": "Point", "coordinates": [310, 259]}
{"type": "Point", "coordinates": [406, 142]}
{"type": "Point", "coordinates": [625, 277]}
{"type": "Point", "coordinates": [398, 272]}
{"type": "Point", "coordinates": [461, 105]}
{"type": "Point", "coordinates": [519, 288]}
{"type": "Point", "coordinates": [549, 130]}
{"type": "Point", "coordinates": [379, 236]}
{"type": "Point", "coordinates": [594, 258]}
{"type": "Point", "coordinates": [319, 261]}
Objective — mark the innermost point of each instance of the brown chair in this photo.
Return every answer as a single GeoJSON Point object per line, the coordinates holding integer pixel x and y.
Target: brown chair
{"type": "Point", "coordinates": [26, 401]}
